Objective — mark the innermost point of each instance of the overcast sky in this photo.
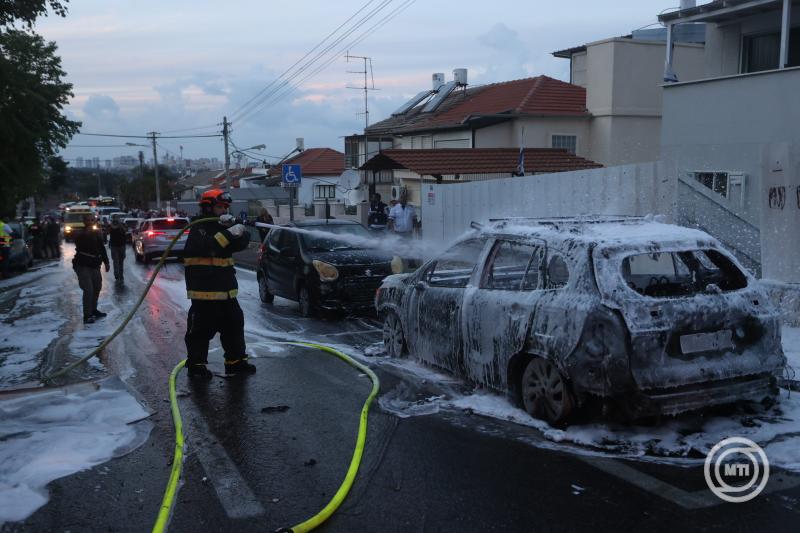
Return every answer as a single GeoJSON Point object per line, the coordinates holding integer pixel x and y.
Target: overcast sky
{"type": "Point", "coordinates": [155, 65]}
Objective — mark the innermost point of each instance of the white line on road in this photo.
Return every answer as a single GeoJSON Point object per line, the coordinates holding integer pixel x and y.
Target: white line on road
{"type": "Point", "coordinates": [232, 490]}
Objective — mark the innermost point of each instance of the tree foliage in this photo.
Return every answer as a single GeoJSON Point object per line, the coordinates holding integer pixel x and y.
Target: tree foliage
{"type": "Point", "coordinates": [33, 94]}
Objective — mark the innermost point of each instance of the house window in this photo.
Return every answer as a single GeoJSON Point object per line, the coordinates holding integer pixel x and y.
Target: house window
{"type": "Point", "coordinates": [352, 156]}
{"type": "Point", "coordinates": [762, 51]}
{"type": "Point", "coordinates": [716, 181]}
{"type": "Point", "coordinates": [570, 142]}
{"type": "Point", "coordinates": [326, 191]}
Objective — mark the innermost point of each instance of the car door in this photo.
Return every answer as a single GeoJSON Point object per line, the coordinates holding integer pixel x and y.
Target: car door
{"type": "Point", "coordinates": [497, 312]}
{"type": "Point", "coordinates": [436, 304]}
{"type": "Point", "coordinates": [282, 255]}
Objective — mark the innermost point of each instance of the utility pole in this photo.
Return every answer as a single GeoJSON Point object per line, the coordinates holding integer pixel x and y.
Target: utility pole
{"type": "Point", "coordinates": [155, 167]}
{"type": "Point", "coordinates": [141, 164]}
{"type": "Point", "coordinates": [225, 132]}
{"type": "Point", "coordinates": [366, 87]}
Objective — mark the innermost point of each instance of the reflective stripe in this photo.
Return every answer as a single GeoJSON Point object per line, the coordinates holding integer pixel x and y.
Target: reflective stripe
{"type": "Point", "coordinates": [235, 361]}
{"type": "Point", "coordinates": [208, 261]}
{"type": "Point", "coordinates": [212, 295]}
{"type": "Point", "coordinates": [222, 239]}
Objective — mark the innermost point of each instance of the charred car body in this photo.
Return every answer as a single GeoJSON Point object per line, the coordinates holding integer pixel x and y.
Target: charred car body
{"type": "Point", "coordinates": [653, 317]}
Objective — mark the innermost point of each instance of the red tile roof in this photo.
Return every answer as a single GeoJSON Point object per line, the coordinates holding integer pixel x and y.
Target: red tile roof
{"type": "Point", "coordinates": [478, 161]}
{"type": "Point", "coordinates": [539, 96]}
{"type": "Point", "coordinates": [315, 162]}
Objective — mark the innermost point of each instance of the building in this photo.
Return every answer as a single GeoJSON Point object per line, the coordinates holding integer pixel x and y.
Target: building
{"type": "Point", "coordinates": [622, 77]}
{"type": "Point", "coordinates": [731, 137]}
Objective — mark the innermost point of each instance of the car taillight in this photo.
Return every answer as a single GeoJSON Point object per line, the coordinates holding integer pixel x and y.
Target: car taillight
{"type": "Point", "coordinates": [260, 252]}
{"type": "Point", "coordinates": [155, 233]}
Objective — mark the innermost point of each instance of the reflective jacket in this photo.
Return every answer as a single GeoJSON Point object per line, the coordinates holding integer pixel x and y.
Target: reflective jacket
{"type": "Point", "coordinates": [5, 237]}
{"type": "Point", "coordinates": [208, 261]}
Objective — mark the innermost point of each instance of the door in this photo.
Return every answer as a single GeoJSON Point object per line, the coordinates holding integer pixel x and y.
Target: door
{"type": "Point", "coordinates": [282, 253]}
{"type": "Point", "coordinates": [436, 304]}
{"type": "Point", "coordinates": [497, 312]}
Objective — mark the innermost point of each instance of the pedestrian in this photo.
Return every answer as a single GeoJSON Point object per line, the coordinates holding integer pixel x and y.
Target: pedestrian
{"type": "Point", "coordinates": [90, 253]}
{"type": "Point", "coordinates": [265, 218]}
{"type": "Point", "coordinates": [378, 213]}
{"type": "Point", "coordinates": [403, 217]}
{"type": "Point", "coordinates": [6, 236]}
{"type": "Point", "coordinates": [117, 237]}
{"type": "Point", "coordinates": [211, 286]}
{"type": "Point", "coordinates": [36, 230]}
{"type": "Point", "coordinates": [52, 232]}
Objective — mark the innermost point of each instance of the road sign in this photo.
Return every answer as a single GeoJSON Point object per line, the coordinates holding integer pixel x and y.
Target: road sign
{"type": "Point", "coordinates": [291, 175]}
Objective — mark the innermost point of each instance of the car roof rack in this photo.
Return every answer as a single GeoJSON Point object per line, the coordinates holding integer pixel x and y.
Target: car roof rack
{"type": "Point", "coordinates": [566, 221]}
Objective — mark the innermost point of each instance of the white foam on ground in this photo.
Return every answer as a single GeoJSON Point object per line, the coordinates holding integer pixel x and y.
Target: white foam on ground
{"type": "Point", "coordinates": [53, 434]}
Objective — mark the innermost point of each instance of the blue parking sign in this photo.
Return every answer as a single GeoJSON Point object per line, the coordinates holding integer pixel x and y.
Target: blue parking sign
{"type": "Point", "coordinates": [291, 175]}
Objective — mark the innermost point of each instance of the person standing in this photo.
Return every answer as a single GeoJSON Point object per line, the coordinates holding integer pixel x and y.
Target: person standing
{"type": "Point", "coordinates": [403, 217]}
{"type": "Point", "coordinates": [116, 243]}
{"type": "Point", "coordinates": [265, 218]}
{"type": "Point", "coordinates": [36, 230]}
{"type": "Point", "coordinates": [211, 286]}
{"type": "Point", "coordinates": [51, 236]}
{"type": "Point", "coordinates": [378, 213]}
{"type": "Point", "coordinates": [90, 253]}
{"type": "Point", "coordinates": [5, 247]}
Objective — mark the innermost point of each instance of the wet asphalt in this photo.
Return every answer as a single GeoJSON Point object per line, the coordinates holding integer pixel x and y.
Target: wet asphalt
{"type": "Point", "coordinates": [268, 451]}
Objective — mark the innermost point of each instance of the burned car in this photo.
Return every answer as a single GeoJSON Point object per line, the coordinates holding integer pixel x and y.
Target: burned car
{"type": "Point", "coordinates": [564, 314]}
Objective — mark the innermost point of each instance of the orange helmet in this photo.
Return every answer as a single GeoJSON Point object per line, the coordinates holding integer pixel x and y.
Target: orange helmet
{"type": "Point", "coordinates": [214, 197]}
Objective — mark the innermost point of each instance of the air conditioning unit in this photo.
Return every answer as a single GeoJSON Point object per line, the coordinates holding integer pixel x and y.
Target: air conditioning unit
{"type": "Point", "coordinates": [397, 190]}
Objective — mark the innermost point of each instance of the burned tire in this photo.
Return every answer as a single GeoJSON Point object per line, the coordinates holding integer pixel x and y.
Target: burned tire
{"type": "Point", "coordinates": [263, 291]}
{"type": "Point", "coordinates": [545, 393]}
{"type": "Point", "coordinates": [393, 339]}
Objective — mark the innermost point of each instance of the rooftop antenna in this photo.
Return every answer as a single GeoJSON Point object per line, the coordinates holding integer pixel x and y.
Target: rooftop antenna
{"type": "Point", "coordinates": [368, 73]}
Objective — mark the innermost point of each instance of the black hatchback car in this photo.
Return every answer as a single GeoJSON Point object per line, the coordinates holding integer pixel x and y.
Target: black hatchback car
{"type": "Point", "coordinates": [323, 265]}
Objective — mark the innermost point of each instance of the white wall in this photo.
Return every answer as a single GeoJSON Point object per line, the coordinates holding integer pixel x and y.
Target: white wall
{"type": "Point", "coordinates": [625, 190]}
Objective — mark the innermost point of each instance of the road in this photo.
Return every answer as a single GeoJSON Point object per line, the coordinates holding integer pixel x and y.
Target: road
{"type": "Point", "coordinates": [270, 450]}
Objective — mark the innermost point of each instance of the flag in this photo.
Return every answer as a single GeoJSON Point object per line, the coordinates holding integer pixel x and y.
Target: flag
{"type": "Point", "coordinates": [521, 162]}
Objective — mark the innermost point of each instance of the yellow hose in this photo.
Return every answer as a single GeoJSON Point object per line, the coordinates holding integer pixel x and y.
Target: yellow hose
{"type": "Point", "coordinates": [177, 461]}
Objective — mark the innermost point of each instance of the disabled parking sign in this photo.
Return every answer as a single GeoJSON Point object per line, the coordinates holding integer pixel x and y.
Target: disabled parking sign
{"type": "Point", "coordinates": [291, 175]}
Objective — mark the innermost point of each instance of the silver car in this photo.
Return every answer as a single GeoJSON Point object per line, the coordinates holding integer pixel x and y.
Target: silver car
{"type": "Point", "coordinates": [154, 236]}
{"type": "Point", "coordinates": [645, 317]}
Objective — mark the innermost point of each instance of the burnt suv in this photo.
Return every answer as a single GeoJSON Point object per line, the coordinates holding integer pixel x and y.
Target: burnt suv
{"type": "Point", "coordinates": [324, 265]}
{"type": "Point", "coordinates": [650, 317]}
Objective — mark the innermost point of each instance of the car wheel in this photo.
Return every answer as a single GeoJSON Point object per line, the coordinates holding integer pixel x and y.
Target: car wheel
{"type": "Point", "coordinates": [263, 291]}
{"type": "Point", "coordinates": [305, 301]}
{"type": "Point", "coordinates": [393, 340]}
{"type": "Point", "coordinates": [545, 392]}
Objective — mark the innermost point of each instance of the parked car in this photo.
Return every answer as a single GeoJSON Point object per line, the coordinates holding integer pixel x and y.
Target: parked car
{"type": "Point", "coordinates": [321, 271]}
{"type": "Point", "coordinates": [21, 254]}
{"type": "Point", "coordinates": [133, 225]}
{"type": "Point", "coordinates": [155, 235]}
{"type": "Point", "coordinates": [648, 317]}
{"type": "Point", "coordinates": [73, 220]}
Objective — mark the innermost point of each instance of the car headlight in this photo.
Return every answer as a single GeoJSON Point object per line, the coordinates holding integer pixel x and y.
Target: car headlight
{"type": "Point", "coordinates": [94, 226]}
{"type": "Point", "coordinates": [67, 229]}
{"type": "Point", "coordinates": [327, 272]}
{"type": "Point", "coordinates": [397, 265]}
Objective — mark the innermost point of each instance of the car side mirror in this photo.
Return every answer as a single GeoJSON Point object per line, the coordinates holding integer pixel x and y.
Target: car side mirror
{"type": "Point", "coordinates": [420, 286]}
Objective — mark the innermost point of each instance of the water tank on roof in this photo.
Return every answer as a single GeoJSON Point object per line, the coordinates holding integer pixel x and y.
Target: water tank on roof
{"type": "Point", "coordinates": [438, 80]}
{"type": "Point", "coordinates": [460, 76]}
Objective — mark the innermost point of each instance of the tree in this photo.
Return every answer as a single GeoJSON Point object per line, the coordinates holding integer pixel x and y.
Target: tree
{"type": "Point", "coordinates": [32, 98]}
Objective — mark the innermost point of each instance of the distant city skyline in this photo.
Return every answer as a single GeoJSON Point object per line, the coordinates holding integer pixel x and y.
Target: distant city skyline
{"type": "Point", "coordinates": [171, 66]}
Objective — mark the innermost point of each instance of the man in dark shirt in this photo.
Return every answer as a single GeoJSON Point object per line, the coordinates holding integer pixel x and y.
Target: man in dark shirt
{"type": "Point", "coordinates": [52, 232]}
{"type": "Point", "coordinates": [378, 213]}
{"type": "Point", "coordinates": [90, 253]}
{"type": "Point", "coordinates": [116, 243]}
{"type": "Point", "coordinates": [212, 287]}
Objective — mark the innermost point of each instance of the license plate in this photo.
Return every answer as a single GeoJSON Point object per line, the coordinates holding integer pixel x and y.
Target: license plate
{"type": "Point", "coordinates": [706, 342]}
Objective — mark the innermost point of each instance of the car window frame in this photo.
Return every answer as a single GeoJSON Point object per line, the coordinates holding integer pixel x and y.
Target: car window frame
{"type": "Point", "coordinates": [546, 269]}
{"type": "Point", "coordinates": [539, 246]}
{"type": "Point", "coordinates": [426, 276]}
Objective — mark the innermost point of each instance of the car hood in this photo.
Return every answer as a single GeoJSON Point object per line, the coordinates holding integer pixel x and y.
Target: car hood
{"type": "Point", "coordinates": [351, 257]}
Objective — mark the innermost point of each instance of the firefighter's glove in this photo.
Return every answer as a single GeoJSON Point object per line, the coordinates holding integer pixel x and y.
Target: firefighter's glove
{"type": "Point", "coordinates": [237, 230]}
{"type": "Point", "coordinates": [227, 220]}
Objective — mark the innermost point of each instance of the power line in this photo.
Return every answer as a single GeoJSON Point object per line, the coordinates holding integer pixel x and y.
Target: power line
{"type": "Point", "coordinates": [363, 20]}
{"type": "Point", "coordinates": [148, 136]}
{"type": "Point", "coordinates": [192, 129]}
{"type": "Point", "coordinates": [262, 91]}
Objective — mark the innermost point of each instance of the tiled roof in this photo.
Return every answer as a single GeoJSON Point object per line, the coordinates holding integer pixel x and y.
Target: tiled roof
{"type": "Point", "coordinates": [315, 162]}
{"type": "Point", "coordinates": [537, 96]}
{"type": "Point", "coordinates": [478, 161]}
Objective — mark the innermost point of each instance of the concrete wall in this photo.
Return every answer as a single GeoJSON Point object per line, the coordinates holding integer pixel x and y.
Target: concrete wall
{"type": "Point", "coordinates": [748, 124]}
{"type": "Point", "coordinates": [624, 190]}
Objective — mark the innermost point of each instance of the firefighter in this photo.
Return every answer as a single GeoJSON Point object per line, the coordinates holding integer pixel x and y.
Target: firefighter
{"type": "Point", "coordinates": [211, 285]}
{"type": "Point", "coordinates": [5, 247]}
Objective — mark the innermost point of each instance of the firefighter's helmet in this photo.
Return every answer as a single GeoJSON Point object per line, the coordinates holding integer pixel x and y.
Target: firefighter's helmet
{"type": "Point", "coordinates": [214, 197]}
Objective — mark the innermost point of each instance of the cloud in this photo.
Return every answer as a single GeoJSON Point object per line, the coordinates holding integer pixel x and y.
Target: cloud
{"type": "Point", "coordinates": [508, 57]}
{"type": "Point", "coordinates": [101, 107]}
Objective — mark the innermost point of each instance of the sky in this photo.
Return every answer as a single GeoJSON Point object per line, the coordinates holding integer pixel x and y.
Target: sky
{"type": "Point", "coordinates": [152, 65]}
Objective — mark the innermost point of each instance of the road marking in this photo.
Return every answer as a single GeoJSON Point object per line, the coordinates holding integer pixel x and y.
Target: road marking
{"type": "Point", "coordinates": [779, 481]}
{"type": "Point", "coordinates": [232, 490]}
